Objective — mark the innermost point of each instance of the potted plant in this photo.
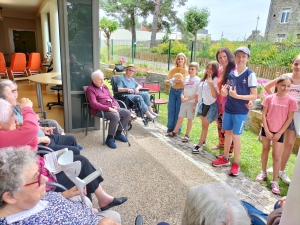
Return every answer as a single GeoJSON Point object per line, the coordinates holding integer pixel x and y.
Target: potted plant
{"type": "Point", "coordinates": [141, 75]}
{"type": "Point", "coordinates": [261, 94]}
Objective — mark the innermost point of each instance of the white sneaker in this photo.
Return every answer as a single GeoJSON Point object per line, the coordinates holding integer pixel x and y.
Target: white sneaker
{"type": "Point", "coordinates": [270, 170]}
{"type": "Point", "coordinates": [284, 177]}
{"type": "Point", "coordinates": [151, 117]}
{"type": "Point", "coordinates": [155, 114]}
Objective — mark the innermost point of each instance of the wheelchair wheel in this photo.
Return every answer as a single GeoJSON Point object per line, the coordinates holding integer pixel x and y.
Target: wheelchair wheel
{"type": "Point", "coordinates": [129, 125]}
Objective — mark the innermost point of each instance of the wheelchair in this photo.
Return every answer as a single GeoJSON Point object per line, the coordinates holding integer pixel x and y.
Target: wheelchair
{"type": "Point", "coordinates": [133, 106]}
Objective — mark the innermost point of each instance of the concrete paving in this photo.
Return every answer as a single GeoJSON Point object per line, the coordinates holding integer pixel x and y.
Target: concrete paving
{"type": "Point", "coordinates": [156, 172]}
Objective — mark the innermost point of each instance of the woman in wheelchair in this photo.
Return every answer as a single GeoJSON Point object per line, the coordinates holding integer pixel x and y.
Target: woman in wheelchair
{"type": "Point", "coordinates": [24, 200]}
{"type": "Point", "coordinates": [128, 85]}
{"type": "Point", "coordinates": [13, 135]}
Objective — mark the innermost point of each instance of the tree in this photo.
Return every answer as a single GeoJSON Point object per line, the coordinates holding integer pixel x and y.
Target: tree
{"type": "Point", "coordinates": [196, 19]}
{"type": "Point", "coordinates": [108, 27]}
{"type": "Point", "coordinates": [128, 10]}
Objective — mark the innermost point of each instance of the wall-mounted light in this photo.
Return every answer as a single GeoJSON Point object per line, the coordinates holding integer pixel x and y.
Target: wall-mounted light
{"type": "Point", "coordinates": [1, 15]}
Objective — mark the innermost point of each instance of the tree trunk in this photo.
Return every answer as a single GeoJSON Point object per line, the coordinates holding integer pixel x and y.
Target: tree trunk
{"type": "Point", "coordinates": [108, 49]}
{"type": "Point", "coordinates": [154, 24]}
{"type": "Point", "coordinates": [133, 31]}
{"type": "Point", "coordinates": [195, 46]}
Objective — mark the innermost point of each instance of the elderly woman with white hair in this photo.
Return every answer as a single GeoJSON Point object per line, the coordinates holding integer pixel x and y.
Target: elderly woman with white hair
{"type": "Point", "coordinates": [100, 99]}
{"type": "Point", "coordinates": [24, 200]}
{"type": "Point", "coordinates": [13, 135]}
{"type": "Point", "coordinates": [214, 203]}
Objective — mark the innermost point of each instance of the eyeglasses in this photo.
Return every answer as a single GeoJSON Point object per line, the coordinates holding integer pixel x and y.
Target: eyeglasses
{"type": "Point", "coordinates": [131, 71]}
{"type": "Point", "coordinates": [39, 178]}
{"type": "Point", "coordinates": [14, 90]}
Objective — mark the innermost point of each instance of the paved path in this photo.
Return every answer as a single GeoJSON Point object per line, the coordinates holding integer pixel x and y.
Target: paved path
{"type": "Point", "coordinates": [156, 172]}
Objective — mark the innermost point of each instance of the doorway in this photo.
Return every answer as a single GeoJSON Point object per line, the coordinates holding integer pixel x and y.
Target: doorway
{"type": "Point", "coordinates": [24, 41]}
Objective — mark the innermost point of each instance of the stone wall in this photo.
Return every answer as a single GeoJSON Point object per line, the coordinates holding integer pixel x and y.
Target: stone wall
{"type": "Point", "coordinates": [274, 25]}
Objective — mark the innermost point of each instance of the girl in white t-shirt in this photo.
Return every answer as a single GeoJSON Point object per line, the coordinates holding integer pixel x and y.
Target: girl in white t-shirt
{"type": "Point", "coordinates": [277, 114]}
{"type": "Point", "coordinates": [207, 97]}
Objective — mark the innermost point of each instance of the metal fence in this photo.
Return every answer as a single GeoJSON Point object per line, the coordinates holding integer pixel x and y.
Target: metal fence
{"type": "Point", "coordinates": [266, 58]}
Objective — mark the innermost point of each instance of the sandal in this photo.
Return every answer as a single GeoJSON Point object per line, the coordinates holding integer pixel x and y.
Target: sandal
{"type": "Point", "coordinates": [185, 139]}
{"type": "Point", "coordinates": [218, 146]}
{"type": "Point", "coordinates": [171, 134]}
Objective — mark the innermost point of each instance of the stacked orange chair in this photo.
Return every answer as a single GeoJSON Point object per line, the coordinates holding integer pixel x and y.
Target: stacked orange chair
{"type": "Point", "coordinates": [3, 70]}
{"type": "Point", "coordinates": [34, 63]}
{"type": "Point", "coordinates": [17, 69]}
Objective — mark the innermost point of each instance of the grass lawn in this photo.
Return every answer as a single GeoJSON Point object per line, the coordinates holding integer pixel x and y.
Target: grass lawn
{"type": "Point", "coordinates": [250, 158]}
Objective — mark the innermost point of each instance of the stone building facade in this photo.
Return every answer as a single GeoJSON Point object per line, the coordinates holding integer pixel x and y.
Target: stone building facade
{"type": "Point", "coordinates": [283, 20]}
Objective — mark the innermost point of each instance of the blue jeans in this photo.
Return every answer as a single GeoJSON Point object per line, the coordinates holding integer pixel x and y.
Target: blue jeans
{"type": "Point", "coordinates": [251, 209]}
{"type": "Point", "coordinates": [173, 107]}
{"type": "Point", "coordinates": [144, 100]}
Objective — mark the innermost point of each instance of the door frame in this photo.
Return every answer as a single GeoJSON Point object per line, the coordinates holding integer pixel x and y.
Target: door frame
{"type": "Point", "coordinates": [65, 66]}
{"type": "Point", "coordinates": [11, 39]}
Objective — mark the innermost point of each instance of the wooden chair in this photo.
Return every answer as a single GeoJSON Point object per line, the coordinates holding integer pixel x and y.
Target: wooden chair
{"type": "Point", "coordinates": [17, 67]}
{"type": "Point", "coordinates": [154, 87]}
{"type": "Point", "coordinates": [3, 70]}
{"type": "Point", "coordinates": [34, 63]}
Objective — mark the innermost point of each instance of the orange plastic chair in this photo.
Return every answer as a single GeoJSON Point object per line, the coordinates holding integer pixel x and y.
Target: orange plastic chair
{"type": "Point", "coordinates": [3, 70]}
{"type": "Point", "coordinates": [154, 87]}
{"type": "Point", "coordinates": [34, 63]}
{"type": "Point", "coordinates": [17, 67]}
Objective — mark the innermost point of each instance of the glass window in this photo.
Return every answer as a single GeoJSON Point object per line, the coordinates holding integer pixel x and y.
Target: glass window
{"type": "Point", "coordinates": [80, 35]}
{"type": "Point", "coordinates": [285, 16]}
{"type": "Point", "coordinates": [280, 37]}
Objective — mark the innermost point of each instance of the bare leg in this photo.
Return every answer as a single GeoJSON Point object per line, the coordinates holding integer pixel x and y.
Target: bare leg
{"type": "Point", "coordinates": [228, 141]}
{"type": "Point", "coordinates": [276, 155]}
{"type": "Point", "coordinates": [178, 124]}
{"type": "Point", "coordinates": [237, 146]}
{"type": "Point", "coordinates": [265, 153]}
{"type": "Point", "coordinates": [103, 198]}
{"type": "Point", "coordinates": [189, 127]}
{"type": "Point", "coordinates": [289, 139]}
{"type": "Point", "coordinates": [205, 124]}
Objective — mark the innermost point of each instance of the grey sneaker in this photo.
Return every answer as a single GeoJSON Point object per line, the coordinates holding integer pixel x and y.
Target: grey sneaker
{"type": "Point", "coordinates": [284, 177]}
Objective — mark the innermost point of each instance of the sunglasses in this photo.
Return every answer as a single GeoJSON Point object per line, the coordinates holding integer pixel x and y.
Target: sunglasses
{"type": "Point", "coordinates": [39, 178]}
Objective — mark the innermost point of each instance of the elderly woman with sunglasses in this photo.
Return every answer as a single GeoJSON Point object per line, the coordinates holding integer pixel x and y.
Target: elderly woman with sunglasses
{"type": "Point", "coordinates": [14, 136]}
{"type": "Point", "coordinates": [24, 200]}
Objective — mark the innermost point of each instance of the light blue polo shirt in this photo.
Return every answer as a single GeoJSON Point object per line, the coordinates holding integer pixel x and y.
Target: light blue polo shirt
{"type": "Point", "coordinates": [125, 83]}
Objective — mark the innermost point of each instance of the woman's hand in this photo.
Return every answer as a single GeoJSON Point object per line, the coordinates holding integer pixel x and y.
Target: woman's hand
{"type": "Point", "coordinates": [72, 192]}
{"type": "Point", "coordinates": [209, 80]}
{"type": "Point", "coordinates": [282, 202]}
{"type": "Point", "coordinates": [25, 102]}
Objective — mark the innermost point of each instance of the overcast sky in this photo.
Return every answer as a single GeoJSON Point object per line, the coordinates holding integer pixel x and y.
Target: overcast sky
{"type": "Point", "coordinates": [236, 18]}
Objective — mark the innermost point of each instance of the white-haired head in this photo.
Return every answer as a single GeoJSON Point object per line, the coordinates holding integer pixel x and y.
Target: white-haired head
{"type": "Point", "coordinates": [97, 73]}
{"type": "Point", "coordinates": [214, 203]}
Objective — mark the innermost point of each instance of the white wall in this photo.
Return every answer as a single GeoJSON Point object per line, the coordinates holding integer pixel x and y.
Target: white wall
{"type": "Point", "coordinates": [122, 34]}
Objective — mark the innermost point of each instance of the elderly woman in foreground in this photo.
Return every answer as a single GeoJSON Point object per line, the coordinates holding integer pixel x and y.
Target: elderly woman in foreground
{"type": "Point", "coordinates": [214, 203]}
{"type": "Point", "coordinates": [14, 135]}
{"type": "Point", "coordinates": [24, 200]}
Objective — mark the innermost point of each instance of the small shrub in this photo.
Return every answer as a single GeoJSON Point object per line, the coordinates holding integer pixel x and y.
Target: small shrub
{"type": "Point", "coordinates": [176, 47]}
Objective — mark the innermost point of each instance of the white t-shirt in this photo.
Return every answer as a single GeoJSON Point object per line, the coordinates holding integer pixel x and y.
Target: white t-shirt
{"type": "Point", "coordinates": [204, 92]}
{"type": "Point", "coordinates": [191, 85]}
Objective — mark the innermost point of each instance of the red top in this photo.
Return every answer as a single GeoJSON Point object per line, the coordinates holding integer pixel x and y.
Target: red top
{"type": "Point", "coordinates": [26, 135]}
{"type": "Point", "coordinates": [98, 97]}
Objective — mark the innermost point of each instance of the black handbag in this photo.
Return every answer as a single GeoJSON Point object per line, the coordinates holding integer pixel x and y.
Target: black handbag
{"type": "Point", "coordinates": [119, 68]}
{"type": "Point", "coordinates": [205, 109]}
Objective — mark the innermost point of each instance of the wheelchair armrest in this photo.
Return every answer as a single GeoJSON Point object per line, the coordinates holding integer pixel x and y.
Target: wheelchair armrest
{"type": "Point", "coordinates": [57, 185]}
{"type": "Point", "coordinates": [258, 217]}
{"type": "Point", "coordinates": [43, 149]}
{"type": "Point", "coordinates": [144, 89]}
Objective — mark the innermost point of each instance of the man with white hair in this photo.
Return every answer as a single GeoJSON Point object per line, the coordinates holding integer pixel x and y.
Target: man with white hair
{"type": "Point", "coordinates": [100, 99]}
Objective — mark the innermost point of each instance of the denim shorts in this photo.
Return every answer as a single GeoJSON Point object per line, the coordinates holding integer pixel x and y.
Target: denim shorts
{"type": "Point", "coordinates": [212, 113]}
{"type": "Point", "coordinates": [292, 126]}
